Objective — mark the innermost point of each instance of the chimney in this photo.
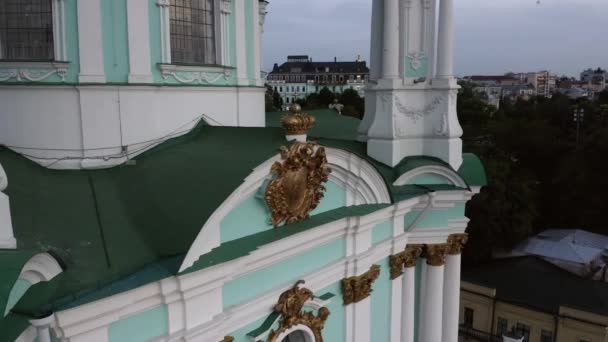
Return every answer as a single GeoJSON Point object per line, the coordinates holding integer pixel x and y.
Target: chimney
{"type": "Point", "coordinates": [335, 59]}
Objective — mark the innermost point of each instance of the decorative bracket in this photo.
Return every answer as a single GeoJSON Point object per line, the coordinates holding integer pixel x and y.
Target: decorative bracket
{"type": "Point", "coordinates": [356, 289]}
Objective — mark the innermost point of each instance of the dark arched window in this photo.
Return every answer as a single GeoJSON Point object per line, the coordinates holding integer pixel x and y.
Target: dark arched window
{"type": "Point", "coordinates": [26, 30]}
{"type": "Point", "coordinates": [192, 29]}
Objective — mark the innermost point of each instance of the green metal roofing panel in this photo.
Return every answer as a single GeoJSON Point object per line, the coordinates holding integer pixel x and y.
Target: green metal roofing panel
{"type": "Point", "coordinates": [472, 170]}
{"type": "Point", "coordinates": [11, 264]}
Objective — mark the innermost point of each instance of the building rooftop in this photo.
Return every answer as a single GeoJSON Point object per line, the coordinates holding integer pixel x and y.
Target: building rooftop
{"type": "Point", "coordinates": [123, 227]}
{"type": "Point", "coordinates": [576, 246]}
{"type": "Point", "coordinates": [321, 67]}
{"type": "Point", "coordinates": [532, 282]}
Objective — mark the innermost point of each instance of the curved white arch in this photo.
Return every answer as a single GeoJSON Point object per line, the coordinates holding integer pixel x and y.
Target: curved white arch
{"type": "Point", "coordinates": [362, 182]}
{"type": "Point", "coordinates": [41, 267]}
{"type": "Point", "coordinates": [309, 336]}
{"type": "Point", "coordinates": [435, 170]}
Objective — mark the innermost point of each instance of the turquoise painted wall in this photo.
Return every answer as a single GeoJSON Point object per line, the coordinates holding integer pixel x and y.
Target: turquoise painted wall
{"type": "Point", "coordinates": [436, 218]}
{"type": "Point", "coordinates": [420, 72]}
{"type": "Point", "coordinates": [155, 43]}
{"type": "Point", "coordinates": [253, 216]}
{"type": "Point", "coordinates": [249, 39]}
{"type": "Point", "coordinates": [287, 271]}
{"type": "Point", "coordinates": [335, 326]}
{"type": "Point", "coordinates": [250, 217]}
{"type": "Point", "coordinates": [19, 289]}
{"type": "Point", "coordinates": [382, 231]}
{"type": "Point", "coordinates": [142, 327]}
{"type": "Point", "coordinates": [429, 179]}
{"type": "Point", "coordinates": [115, 40]}
{"type": "Point", "coordinates": [381, 305]}
{"type": "Point", "coordinates": [241, 334]}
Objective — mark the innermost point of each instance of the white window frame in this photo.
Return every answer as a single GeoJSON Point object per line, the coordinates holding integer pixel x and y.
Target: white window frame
{"type": "Point", "coordinates": [221, 12]}
{"type": "Point", "coordinates": [59, 46]}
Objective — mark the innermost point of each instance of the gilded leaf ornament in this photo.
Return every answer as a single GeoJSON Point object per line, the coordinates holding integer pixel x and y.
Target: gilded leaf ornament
{"type": "Point", "coordinates": [355, 289]}
{"type": "Point", "coordinates": [299, 184]}
{"type": "Point", "coordinates": [290, 305]}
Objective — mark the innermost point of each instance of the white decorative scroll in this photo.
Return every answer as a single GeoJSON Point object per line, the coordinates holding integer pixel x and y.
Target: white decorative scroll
{"type": "Point", "coordinates": [33, 73]}
{"type": "Point", "coordinates": [3, 179]}
{"type": "Point", "coordinates": [263, 12]}
{"type": "Point", "coordinates": [196, 77]}
{"type": "Point", "coordinates": [416, 114]}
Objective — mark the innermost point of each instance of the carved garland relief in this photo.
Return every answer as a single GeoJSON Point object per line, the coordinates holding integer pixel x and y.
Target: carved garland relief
{"type": "Point", "coordinates": [355, 289]}
{"type": "Point", "coordinates": [290, 306]}
{"type": "Point", "coordinates": [298, 187]}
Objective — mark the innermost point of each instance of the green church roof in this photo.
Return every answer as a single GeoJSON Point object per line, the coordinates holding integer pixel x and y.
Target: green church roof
{"type": "Point", "coordinates": [123, 227]}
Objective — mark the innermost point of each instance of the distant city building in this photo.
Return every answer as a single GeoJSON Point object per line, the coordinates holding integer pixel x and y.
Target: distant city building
{"type": "Point", "coordinates": [544, 82]}
{"type": "Point", "coordinates": [530, 297]}
{"type": "Point", "coordinates": [518, 91]}
{"type": "Point", "coordinates": [300, 76]}
{"type": "Point", "coordinates": [596, 79]}
{"type": "Point", "coordinates": [495, 80]}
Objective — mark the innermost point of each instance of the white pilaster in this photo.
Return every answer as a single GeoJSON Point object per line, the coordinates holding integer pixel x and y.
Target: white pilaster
{"type": "Point", "coordinates": [165, 34]}
{"type": "Point", "coordinates": [140, 62]}
{"type": "Point", "coordinates": [59, 30]}
{"type": "Point", "coordinates": [445, 41]}
{"type": "Point", "coordinates": [429, 41]}
{"type": "Point", "coordinates": [409, 305]}
{"type": "Point", "coordinates": [432, 302]}
{"type": "Point", "coordinates": [225, 12]}
{"type": "Point", "coordinates": [241, 50]}
{"type": "Point", "coordinates": [90, 44]}
{"type": "Point", "coordinates": [390, 57]}
{"type": "Point", "coordinates": [451, 298]}
{"type": "Point", "coordinates": [397, 308]}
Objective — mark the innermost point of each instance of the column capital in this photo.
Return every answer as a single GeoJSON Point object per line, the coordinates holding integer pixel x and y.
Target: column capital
{"type": "Point", "coordinates": [435, 254]}
{"type": "Point", "coordinates": [356, 289]}
{"type": "Point", "coordinates": [456, 243]}
{"type": "Point", "coordinates": [406, 259]}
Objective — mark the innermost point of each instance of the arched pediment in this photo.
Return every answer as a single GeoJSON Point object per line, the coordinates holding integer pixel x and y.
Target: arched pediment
{"type": "Point", "coordinates": [431, 174]}
{"type": "Point", "coordinates": [360, 181]}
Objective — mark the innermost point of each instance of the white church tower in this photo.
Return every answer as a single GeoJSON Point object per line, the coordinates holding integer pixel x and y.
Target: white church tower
{"type": "Point", "coordinates": [411, 99]}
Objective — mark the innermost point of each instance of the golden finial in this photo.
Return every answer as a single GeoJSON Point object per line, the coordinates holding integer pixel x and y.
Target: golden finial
{"type": "Point", "coordinates": [297, 123]}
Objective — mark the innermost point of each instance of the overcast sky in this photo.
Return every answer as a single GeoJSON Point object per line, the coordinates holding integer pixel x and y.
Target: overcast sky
{"type": "Point", "coordinates": [492, 36]}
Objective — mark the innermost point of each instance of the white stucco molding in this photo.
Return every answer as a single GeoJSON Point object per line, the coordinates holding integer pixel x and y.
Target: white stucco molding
{"type": "Point", "coordinates": [362, 182]}
{"type": "Point", "coordinates": [191, 294]}
{"type": "Point", "coordinates": [32, 71]}
{"type": "Point", "coordinates": [41, 267]}
{"type": "Point", "coordinates": [436, 170]}
{"type": "Point", "coordinates": [195, 74]}
{"type": "Point", "coordinates": [7, 237]}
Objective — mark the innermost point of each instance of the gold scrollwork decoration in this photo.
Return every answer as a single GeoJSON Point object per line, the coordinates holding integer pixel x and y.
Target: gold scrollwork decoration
{"type": "Point", "coordinates": [290, 306]}
{"type": "Point", "coordinates": [406, 259]}
{"type": "Point", "coordinates": [355, 289]}
{"type": "Point", "coordinates": [299, 184]}
{"type": "Point", "coordinates": [456, 243]}
{"type": "Point", "coordinates": [228, 339]}
{"type": "Point", "coordinates": [435, 254]}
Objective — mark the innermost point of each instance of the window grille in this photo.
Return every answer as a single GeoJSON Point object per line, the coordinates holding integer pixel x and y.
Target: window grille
{"type": "Point", "coordinates": [192, 29]}
{"type": "Point", "coordinates": [26, 30]}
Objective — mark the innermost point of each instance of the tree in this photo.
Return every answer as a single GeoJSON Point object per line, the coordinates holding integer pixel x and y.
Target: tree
{"type": "Point", "coordinates": [354, 105]}
{"type": "Point", "coordinates": [326, 97]}
{"type": "Point", "coordinates": [269, 99]}
{"type": "Point", "coordinates": [277, 101]}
